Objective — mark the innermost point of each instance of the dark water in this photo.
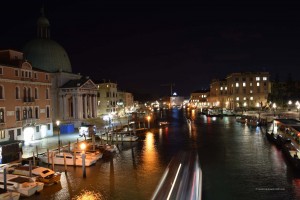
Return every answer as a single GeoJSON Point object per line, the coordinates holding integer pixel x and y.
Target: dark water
{"type": "Point", "coordinates": [237, 161]}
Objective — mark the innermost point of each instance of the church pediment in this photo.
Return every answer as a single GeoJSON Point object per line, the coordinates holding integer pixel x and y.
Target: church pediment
{"type": "Point", "coordinates": [88, 85]}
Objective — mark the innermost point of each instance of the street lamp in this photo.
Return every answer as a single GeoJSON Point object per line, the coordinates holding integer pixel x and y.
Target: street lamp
{"type": "Point", "coordinates": [57, 123]}
{"type": "Point", "coordinates": [290, 103]}
{"type": "Point", "coordinates": [148, 118]}
{"type": "Point", "coordinates": [83, 147]}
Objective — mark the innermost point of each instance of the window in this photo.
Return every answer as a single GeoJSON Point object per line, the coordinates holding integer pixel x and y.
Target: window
{"type": "Point", "coordinates": [29, 92]}
{"type": "Point", "coordinates": [1, 91]}
{"type": "Point", "coordinates": [245, 98]}
{"type": "Point", "coordinates": [17, 93]}
{"type": "Point", "coordinates": [47, 93]}
{"type": "Point", "coordinates": [47, 77]}
{"type": "Point", "coordinates": [221, 88]}
{"type": "Point", "coordinates": [48, 112]}
{"type": "Point", "coordinates": [37, 129]}
{"type": "Point", "coordinates": [257, 84]}
{"type": "Point", "coordinates": [36, 112]}
{"type": "Point", "coordinates": [251, 98]}
{"type": "Point", "coordinates": [36, 93]}
{"type": "Point", "coordinates": [30, 113]}
{"type": "Point", "coordinates": [251, 84]}
{"type": "Point", "coordinates": [25, 113]}
{"type": "Point", "coordinates": [1, 70]}
{"type": "Point", "coordinates": [257, 78]}
{"type": "Point", "coordinates": [1, 115]}
{"type": "Point", "coordinates": [18, 114]}
{"type": "Point", "coordinates": [49, 126]}
{"type": "Point", "coordinates": [236, 84]}
{"type": "Point", "coordinates": [16, 72]}
{"type": "Point", "coordinates": [19, 132]}
{"type": "Point", "coordinates": [237, 98]}
{"type": "Point", "coordinates": [251, 91]}
{"type": "Point", "coordinates": [35, 75]}
{"type": "Point", "coordinates": [265, 78]}
{"type": "Point", "coordinates": [244, 84]}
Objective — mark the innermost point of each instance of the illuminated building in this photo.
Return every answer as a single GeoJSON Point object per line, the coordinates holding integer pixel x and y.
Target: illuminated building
{"type": "Point", "coordinates": [25, 101]}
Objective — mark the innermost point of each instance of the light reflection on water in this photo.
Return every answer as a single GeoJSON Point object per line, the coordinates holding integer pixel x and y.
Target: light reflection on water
{"type": "Point", "coordinates": [237, 163]}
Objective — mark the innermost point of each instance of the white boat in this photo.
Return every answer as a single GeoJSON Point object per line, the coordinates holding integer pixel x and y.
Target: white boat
{"type": "Point", "coordinates": [108, 148]}
{"type": "Point", "coordinates": [42, 174]}
{"type": "Point", "coordinates": [58, 159]}
{"type": "Point", "coordinates": [90, 154]}
{"type": "Point", "coordinates": [119, 137]}
{"type": "Point", "coordinates": [26, 186]}
{"type": "Point", "coordinates": [9, 195]}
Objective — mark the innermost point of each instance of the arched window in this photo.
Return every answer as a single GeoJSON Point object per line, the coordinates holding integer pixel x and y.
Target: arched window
{"type": "Point", "coordinates": [47, 93]}
{"type": "Point", "coordinates": [30, 113]}
{"type": "Point", "coordinates": [25, 93]}
{"type": "Point", "coordinates": [29, 93]}
{"type": "Point", "coordinates": [48, 112]}
{"type": "Point", "coordinates": [1, 115]}
{"type": "Point", "coordinates": [36, 96]}
{"type": "Point", "coordinates": [17, 93]}
{"type": "Point", "coordinates": [36, 112]}
{"type": "Point", "coordinates": [18, 114]}
{"type": "Point", "coordinates": [25, 113]}
{"type": "Point", "coordinates": [1, 92]}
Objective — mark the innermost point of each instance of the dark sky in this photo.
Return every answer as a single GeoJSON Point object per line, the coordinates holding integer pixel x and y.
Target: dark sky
{"type": "Point", "coordinates": [144, 44]}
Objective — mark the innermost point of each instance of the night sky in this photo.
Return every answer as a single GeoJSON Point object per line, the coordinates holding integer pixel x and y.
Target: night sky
{"type": "Point", "coordinates": [143, 45]}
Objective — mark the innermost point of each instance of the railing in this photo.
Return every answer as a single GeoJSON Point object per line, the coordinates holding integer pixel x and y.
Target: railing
{"type": "Point", "coordinates": [28, 99]}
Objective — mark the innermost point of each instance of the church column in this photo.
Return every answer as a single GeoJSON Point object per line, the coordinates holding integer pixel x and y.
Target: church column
{"type": "Point", "coordinates": [65, 108]}
{"type": "Point", "coordinates": [61, 107]}
{"type": "Point", "coordinates": [85, 106]}
{"type": "Point", "coordinates": [90, 107]}
{"type": "Point", "coordinates": [74, 106]}
{"type": "Point", "coordinates": [95, 106]}
{"type": "Point", "coordinates": [79, 106]}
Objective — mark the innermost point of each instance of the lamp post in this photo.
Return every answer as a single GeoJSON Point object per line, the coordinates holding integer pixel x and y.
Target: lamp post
{"type": "Point", "coordinates": [148, 118]}
{"type": "Point", "coordinates": [57, 123]}
{"type": "Point", "coordinates": [290, 103]}
{"type": "Point", "coordinates": [83, 147]}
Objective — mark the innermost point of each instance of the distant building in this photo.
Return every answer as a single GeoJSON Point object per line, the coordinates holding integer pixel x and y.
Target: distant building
{"type": "Point", "coordinates": [198, 99]}
{"type": "Point", "coordinates": [25, 101]}
{"type": "Point", "coordinates": [241, 90]}
{"type": "Point", "coordinates": [125, 102]}
{"type": "Point", "coordinates": [107, 98]}
{"type": "Point", "coordinates": [176, 101]}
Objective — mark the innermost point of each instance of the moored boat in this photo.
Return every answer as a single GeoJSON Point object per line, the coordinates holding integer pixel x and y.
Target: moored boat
{"type": "Point", "coordinates": [58, 159]}
{"type": "Point", "coordinates": [120, 137]}
{"type": "Point", "coordinates": [42, 174]}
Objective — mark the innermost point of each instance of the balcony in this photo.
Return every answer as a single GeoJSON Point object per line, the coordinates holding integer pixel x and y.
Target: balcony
{"type": "Point", "coordinates": [30, 121]}
{"type": "Point", "coordinates": [28, 99]}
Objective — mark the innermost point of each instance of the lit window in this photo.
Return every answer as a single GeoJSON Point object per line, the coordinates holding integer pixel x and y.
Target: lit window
{"type": "Point", "coordinates": [236, 84]}
{"type": "Point", "coordinates": [251, 91]}
{"type": "Point", "coordinates": [257, 83]}
{"type": "Point", "coordinates": [238, 98]}
{"type": "Point", "coordinates": [250, 84]}
{"type": "Point", "coordinates": [258, 78]}
{"type": "Point", "coordinates": [225, 88]}
{"type": "Point", "coordinates": [265, 78]}
{"type": "Point", "coordinates": [244, 84]}
{"type": "Point", "coordinates": [221, 88]}
{"type": "Point", "coordinates": [251, 98]}
{"type": "Point", "coordinates": [245, 98]}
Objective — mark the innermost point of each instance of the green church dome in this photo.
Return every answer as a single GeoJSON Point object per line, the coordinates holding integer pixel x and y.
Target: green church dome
{"type": "Point", "coordinates": [47, 55]}
{"type": "Point", "coordinates": [44, 53]}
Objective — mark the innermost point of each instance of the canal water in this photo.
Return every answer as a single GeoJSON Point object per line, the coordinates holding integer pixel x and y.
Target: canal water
{"type": "Point", "coordinates": [237, 162]}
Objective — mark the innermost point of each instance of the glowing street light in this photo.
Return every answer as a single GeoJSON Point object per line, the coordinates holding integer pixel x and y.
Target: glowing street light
{"type": "Point", "coordinates": [58, 135]}
{"type": "Point", "coordinates": [148, 118]}
{"type": "Point", "coordinates": [83, 147]}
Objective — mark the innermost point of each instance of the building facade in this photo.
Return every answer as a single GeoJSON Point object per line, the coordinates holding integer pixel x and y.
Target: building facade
{"type": "Point", "coordinates": [198, 99]}
{"type": "Point", "coordinates": [241, 90]}
{"type": "Point", "coordinates": [25, 101]}
{"type": "Point", "coordinates": [125, 102]}
{"type": "Point", "coordinates": [107, 98]}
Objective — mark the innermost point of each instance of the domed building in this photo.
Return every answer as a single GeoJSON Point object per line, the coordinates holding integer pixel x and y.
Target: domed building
{"type": "Point", "coordinates": [44, 53]}
{"type": "Point", "coordinates": [73, 97]}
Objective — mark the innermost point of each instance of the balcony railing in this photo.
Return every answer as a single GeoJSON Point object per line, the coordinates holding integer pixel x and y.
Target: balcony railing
{"type": "Point", "coordinates": [28, 99]}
